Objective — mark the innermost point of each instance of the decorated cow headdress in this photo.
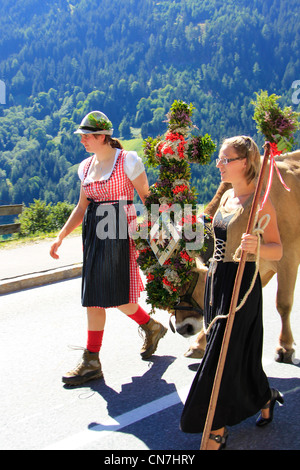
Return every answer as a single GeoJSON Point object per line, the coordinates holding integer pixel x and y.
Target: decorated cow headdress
{"type": "Point", "coordinates": [278, 127]}
{"type": "Point", "coordinates": [172, 232]}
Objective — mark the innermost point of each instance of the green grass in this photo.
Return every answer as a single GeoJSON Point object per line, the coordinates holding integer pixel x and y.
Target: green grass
{"type": "Point", "coordinates": [135, 144]}
{"type": "Point", "coordinates": [15, 241]}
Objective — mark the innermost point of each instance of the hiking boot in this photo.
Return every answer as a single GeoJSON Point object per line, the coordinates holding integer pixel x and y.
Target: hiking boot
{"type": "Point", "coordinates": [89, 368]}
{"type": "Point", "coordinates": [154, 331]}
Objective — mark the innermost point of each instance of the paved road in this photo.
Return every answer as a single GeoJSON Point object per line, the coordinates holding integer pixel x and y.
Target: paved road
{"type": "Point", "coordinates": [29, 265]}
{"type": "Point", "coordinates": [138, 405]}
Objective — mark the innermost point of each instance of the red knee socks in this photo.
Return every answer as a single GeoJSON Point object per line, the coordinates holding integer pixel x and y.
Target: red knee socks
{"type": "Point", "coordinates": [94, 340]}
{"type": "Point", "coordinates": [140, 316]}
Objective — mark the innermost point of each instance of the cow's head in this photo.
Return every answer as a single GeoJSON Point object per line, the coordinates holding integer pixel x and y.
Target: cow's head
{"type": "Point", "coordinates": [189, 311]}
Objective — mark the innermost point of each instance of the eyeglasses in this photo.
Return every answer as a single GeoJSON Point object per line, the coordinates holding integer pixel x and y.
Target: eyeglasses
{"type": "Point", "coordinates": [225, 161]}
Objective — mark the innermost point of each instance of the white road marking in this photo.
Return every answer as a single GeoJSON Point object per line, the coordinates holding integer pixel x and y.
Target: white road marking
{"type": "Point", "coordinates": [111, 425]}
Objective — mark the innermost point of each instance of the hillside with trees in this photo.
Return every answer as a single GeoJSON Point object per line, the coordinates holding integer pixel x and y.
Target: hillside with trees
{"type": "Point", "coordinates": [131, 59]}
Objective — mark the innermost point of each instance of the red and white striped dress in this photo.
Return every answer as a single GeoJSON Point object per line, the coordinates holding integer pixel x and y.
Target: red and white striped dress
{"type": "Point", "coordinates": [118, 187]}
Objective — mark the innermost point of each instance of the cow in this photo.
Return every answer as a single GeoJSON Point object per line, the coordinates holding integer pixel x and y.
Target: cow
{"type": "Point", "coordinates": [189, 312]}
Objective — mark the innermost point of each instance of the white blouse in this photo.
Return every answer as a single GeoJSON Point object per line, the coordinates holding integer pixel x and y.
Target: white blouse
{"type": "Point", "coordinates": [133, 167]}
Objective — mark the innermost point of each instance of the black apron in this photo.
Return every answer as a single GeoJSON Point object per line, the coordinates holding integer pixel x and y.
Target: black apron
{"type": "Point", "coordinates": [106, 270]}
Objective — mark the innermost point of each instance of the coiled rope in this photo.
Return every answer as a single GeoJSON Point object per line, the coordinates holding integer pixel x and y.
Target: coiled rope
{"type": "Point", "coordinates": [258, 231]}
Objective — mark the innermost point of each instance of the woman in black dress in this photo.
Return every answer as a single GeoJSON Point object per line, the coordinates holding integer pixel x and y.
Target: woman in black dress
{"type": "Point", "coordinates": [244, 387]}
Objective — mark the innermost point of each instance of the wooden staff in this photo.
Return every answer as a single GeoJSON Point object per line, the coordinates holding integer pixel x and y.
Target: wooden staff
{"type": "Point", "coordinates": [233, 304]}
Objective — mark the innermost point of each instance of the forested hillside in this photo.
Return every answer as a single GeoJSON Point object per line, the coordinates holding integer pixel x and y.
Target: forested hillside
{"type": "Point", "coordinates": [131, 59]}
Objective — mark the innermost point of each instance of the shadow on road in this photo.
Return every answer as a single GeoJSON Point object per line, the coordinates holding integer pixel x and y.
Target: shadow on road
{"type": "Point", "coordinates": [137, 401]}
{"type": "Point", "coordinates": [161, 431]}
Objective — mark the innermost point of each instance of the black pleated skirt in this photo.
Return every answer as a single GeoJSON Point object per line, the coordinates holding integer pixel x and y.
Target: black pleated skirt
{"type": "Point", "coordinates": [106, 272]}
{"type": "Point", "coordinates": [244, 387]}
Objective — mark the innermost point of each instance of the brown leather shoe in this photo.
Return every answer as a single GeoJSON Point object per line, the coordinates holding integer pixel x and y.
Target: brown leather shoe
{"type": "Point", "coordinates": [89, 368]}
{"type": "Point", "coordinates": [154, 331]}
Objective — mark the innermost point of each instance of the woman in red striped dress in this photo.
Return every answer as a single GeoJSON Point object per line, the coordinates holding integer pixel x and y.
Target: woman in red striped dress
{"type": "Point", "coordinates": [110, 276]}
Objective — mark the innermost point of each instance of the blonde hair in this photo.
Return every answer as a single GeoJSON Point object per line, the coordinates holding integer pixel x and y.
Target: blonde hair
{"type": "Point", "coordinates": [246, 147]}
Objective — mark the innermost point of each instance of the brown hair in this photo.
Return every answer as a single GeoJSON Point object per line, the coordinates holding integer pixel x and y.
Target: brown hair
{"type": "Point", "coordinates": [114, 143]}
{"type": "Point", "coordinates": [246, 147]}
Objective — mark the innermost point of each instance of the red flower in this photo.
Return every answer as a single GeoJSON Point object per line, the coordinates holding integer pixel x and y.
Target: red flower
{"type": "Point", "coordinates": [158, 153]}
{"type": "Point", "coordinates": [180, 189]}
{"type": "Point", "coordinates": [168, 283]}
{"type": "Point", "coordinates": [168, 150]}
{"type": "Point", "coordinates": [185, 256]}
{"type": "Point", "coordinates": [145, 223]}
{"type": "Point", "coordinates": [174, 136]}
{"type": "Point", "coordinates": [274, 149]}
{"type": "Point", "coordinates": [164, 207]}
{"type": "Point", "coordinates": [190, 219]}
{"type": "Point", "coordinates": [150, 277]}
{"type": "Point", "coordinates": [181, 149]}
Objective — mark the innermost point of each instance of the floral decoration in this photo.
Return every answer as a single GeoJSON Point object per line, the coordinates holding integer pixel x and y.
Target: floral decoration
{"type": "Point", "coordinates": [278, 127]}
{"type": "Point", "coordinates": [276, 124]}
{"type": "Point", "coordinates": [173, 153]}
{"type": "Point", "coordinates": [101, 124]}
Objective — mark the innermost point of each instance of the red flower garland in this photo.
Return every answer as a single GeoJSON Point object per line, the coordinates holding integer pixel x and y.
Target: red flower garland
{"type": "Point", "coordinates": [274, 149]}
{"type": "Point", "coordinates": [168, 150]}
{"type": "Point", "coordinates": [181, 150]}
{"type": "Point", "coordinates": [168, 283]}
{"type": "Point", "coordinates": [190, 219]}
{"type": "Point", "coordinates": [185, 256]}
{"type": "Point", "coordinates": [180, 189]}
{"type": "Point", "coordinates": [174, 136]}
{"type": "Point", "coordinates": [181, 146]}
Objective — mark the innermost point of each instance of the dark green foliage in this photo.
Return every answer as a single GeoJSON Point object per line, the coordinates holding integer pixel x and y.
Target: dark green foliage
{"type": "Point", "coordinates": [131, 59]}
{"type": "Point", "coordinates": [40, 217]}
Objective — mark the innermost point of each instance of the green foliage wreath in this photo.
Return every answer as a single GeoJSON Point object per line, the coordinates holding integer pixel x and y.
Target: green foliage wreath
{"type": "Point", "coordinates": [173, 154]}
